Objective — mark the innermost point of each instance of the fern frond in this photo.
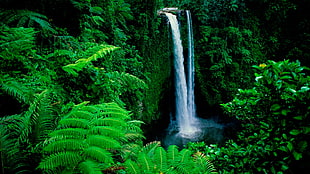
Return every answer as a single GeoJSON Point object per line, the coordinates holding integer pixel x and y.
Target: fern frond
{"type": "Point", "coordinates": [74, 123]}
{"type": "Point", "coordinates": [109, 121]}
{"type": "Point", "coordinates": [80, 114]}
{"type": "Point", "coordinates": [150, 147]}
{"type": "Point", "coordinates": [128, 80]}
{"type": "Point", "coordinates": [132, 167]}
{"type": "Point", "coordinates": [64, 159]}
{"type": "Point", "coordinates": [204, 163]}
{"type": "Point", "coordinates": [110, 131]}
{"type": "Point", "coordinates": [16, 89]}
{"type": "Point", "coordinates": [20, 17]}
{"type": "Point", "coordinates": [172, 155]}
{"type": "Point", "coordinates": [132, 136]}
{"type": "Point", "coordinates": [99, 154]}
{"type": "Point", "coordinates": [146, 163]}
{"type": "Point", "coordinates": [89, 167]}
{"type": "Point", "coordinates": [66, 145]}
{"type": "Point", "coordinates": [130, 150]}
{"type": "Point", "coordinates": [15, 41]}
{"type": "Point", "coordinates": [68, 133]}
{"type": "Point", "coordinates": [103, 142]}
{"type": "Point", "coordinates": [160, 159]}
{"type": "Point", "coordinates": [185, 155]}
{"type": "Point", "coordinates": [82, 63]}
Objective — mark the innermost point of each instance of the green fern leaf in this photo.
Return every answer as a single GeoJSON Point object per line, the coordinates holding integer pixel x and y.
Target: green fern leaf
{"type": "Point", "coordinates": [69, 133]}
{"type": "Point", "coordinates": [146, 163]}
{"type": "Point", "coordinates": [172, 155]}
{"type": "Point", "coordinates": [132, 136]}
{"type": "Point", "coordinates": [150, 147]}
{"type": "Point", "coordinates": [132, 167]}
{"type": "Point", "coordinates": [160, 159]}
{"type": "Point", "coordinates": [103, 142]}
{"type": "Point", "coordinates": [66, 145]}
{"type": "Point", "coordinates": [89, 167]}
{"type": "Point", "coordinates": [65, 159]}
{"type": "Point", "coordinates": [16, 89]}
{"type": "Point", "coordinates": [109, 121]}
{"type": "Point", "coordinates": [80, 114]}
{"type": "Point", "coordinates": [107, 131]}
{"type": "Point", "coordinates": [98, 154]}
{"type": "Point", "coordinates": [204, 164]}
{"type": "Point", "coordinates": [185, 155]}
{"type": "Point", "coordinates": [74, 123]}
{"type": "Point", "coordinates": [82, 63]}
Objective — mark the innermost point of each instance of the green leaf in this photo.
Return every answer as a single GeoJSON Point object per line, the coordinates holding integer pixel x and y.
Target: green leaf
{"type": "Point", "coordinates": [298, 118]}
{"type": "Point", "coordinates": [285, 77]}
{"type": "Point", "coordinates": [297, 155]}
{"type": "Point", "coordinates": [290, 146]}
{"type": "Point", "coordinates": [295, 132]}
{"type": "Point", "coordinates": [275, 107]}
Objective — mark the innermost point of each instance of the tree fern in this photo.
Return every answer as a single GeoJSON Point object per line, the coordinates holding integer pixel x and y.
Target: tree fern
{"type": "Point", "coordinates": [93, 132]}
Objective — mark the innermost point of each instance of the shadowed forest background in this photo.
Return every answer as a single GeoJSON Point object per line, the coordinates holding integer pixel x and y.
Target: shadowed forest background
{"type": "Point", "coordinates": [87, 85]}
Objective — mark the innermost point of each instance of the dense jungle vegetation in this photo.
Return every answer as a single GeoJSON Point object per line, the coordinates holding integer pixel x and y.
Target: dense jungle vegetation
{"type": "Point", "coordinates": [84, 82]}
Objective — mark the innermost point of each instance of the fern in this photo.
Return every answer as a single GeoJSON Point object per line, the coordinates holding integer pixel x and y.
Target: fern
{"type": "Point", "coordinates": [84, 62]}
{"type": "Point", "coordinates": [146, 163]}
{"type": "Point", "coordinates": [154, 159]}
{"type": "Point", "coordinates": [132, 167]}
{"type": "Point", "coordinates": [60, 159]}
{"type": "Point", "coordinates": [103, 142]}
{"type": "Point", "coordinates": [98, 154]}
{"type": "Point", "coordinates": [26, 18]}
{"type": "Point", "coordinates": [25, 133]}
{"type": "Point", "coordinates": [93, 132]}
{"type": "Point", "coordinates": [90, 167]}
{"type": "Point", "coordinates": [160, 158]}
{"type": "Point", "coordinates": [107, 131]}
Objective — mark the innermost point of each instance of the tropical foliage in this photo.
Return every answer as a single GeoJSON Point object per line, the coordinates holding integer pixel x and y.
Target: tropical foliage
{"type": "Point", "coordinates": [65, 66]}
{"type": "Point", "coordinates": [275, 123]}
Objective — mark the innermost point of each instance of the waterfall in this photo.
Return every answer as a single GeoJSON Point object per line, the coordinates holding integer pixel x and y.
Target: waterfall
{"type": "Point", "coordinates": [185, 113]}
{"type": "Point", "coordinates": [190, 68]}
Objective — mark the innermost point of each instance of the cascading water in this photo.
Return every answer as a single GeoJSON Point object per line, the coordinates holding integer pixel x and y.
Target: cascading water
{"type": "Point", "coordinates": [184, 113]}
{"type": "Point", "coordinates": [186, 126]}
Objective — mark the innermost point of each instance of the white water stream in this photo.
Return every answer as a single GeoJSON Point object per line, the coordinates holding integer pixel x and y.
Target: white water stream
{"type": "Point", "coordinates": [185, 113]}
